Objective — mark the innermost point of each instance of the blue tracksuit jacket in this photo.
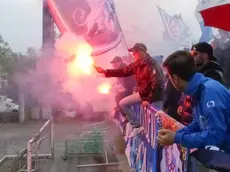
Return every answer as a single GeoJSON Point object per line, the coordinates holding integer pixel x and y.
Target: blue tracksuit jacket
{"type": "Point", "coordinates": [211, 115]}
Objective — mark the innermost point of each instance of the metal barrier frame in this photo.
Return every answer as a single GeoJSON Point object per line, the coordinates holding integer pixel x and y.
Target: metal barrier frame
{"type": "Point", "coordinates": [27, 152]}
{"type": "Point", "coordinates": [36, 141]}
{"type": "Point", "coordinates": [88, 129]}
{"type": "Point", "coordinates": [152, 119]}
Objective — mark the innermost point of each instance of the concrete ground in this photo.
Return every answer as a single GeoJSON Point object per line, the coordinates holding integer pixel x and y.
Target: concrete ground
{"type": "Point", "coordinates": [14, 138]}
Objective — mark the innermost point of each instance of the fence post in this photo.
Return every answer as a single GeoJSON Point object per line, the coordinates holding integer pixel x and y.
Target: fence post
{"type": "Point", "coordinates": [29, 156]}
{"type": "Point", "coordinates": [21, 106]}
{"type": "Point", "coordinates": [155, 159]}
{"type": "Point", "coordinates": [52, 136]}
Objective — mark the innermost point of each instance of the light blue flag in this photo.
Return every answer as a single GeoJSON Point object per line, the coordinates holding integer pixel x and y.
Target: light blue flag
{"type": "Point", "coordinates": [207, 34]}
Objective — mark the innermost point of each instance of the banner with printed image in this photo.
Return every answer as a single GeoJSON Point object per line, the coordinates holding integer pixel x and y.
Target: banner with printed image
{"type": "Point", "coordinates": [94, 20]}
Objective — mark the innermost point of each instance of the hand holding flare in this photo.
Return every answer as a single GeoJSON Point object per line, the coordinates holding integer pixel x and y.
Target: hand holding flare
{"type": "Point", "coordinates": [99, 69]}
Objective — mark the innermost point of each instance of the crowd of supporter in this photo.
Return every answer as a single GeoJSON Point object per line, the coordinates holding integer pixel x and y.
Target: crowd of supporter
{"type": "Point", "coordinates": [191, 86]}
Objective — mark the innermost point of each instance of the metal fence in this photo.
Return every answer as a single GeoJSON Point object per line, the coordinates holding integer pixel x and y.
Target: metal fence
{"type": "Point", "coordinates": [93, 144]}
{"type": "Point", "coordinates": [34, 152]}
{"type": "Point", "coordinates": [39, 147]}
{"type": "Point", "coordinates": [143, 152]}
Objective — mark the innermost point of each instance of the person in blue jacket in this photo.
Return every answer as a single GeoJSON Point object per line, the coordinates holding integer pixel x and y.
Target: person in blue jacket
{"type": "Point", "coordinates": [211, 106]}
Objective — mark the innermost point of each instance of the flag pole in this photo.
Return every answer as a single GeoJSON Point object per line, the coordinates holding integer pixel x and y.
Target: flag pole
{"type": "Point", "coordinates": [124, 40]}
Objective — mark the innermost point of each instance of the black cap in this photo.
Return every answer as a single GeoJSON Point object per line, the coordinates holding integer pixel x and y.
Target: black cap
{"type": "Point", "coordinates": [204, 47]}
{"type": "Point", "coordinates": [138, 46]}
{"type": "Point", "coordinates": [116, 59]}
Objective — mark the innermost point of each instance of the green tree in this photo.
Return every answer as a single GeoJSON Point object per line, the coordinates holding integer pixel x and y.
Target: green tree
{"type": "Point", "coordinates": [5, 56]}
{"type": "Point", "coordinates": [12, 63]}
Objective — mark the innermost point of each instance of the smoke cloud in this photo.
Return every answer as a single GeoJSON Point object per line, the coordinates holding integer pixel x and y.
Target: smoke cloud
{"type": "Point", "coordinates": [51, 84]}
{"type": "Point", "coordinates": [49, 80]}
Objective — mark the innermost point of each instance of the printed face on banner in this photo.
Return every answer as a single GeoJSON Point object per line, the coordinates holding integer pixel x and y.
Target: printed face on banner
{"type": "Point", "coordinates": [95, 20]}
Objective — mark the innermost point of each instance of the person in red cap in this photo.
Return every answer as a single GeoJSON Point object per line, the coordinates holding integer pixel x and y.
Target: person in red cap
{"type": "Point", "coordinates": [149, 77]}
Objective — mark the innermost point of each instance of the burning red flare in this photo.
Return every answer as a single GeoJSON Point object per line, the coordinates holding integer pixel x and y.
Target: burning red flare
{"type": "Point", "coordinates": [104, 88]}
{"type": "Point", "coordinates": [83, 62]}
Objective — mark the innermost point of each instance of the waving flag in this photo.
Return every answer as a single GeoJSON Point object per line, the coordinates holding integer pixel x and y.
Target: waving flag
{"type": "Point", "coordinates": [216, 14]}
{"type": "Point", "coordinates": [207, 34]}
{"type": "Point", "coordinates": [95, 20]}
{"type": "Point", "coordinates": [175, 29]}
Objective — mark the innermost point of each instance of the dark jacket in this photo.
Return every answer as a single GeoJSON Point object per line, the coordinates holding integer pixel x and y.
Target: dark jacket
{"type": "Point", "coordinates": [149, 77]}
{"type": "Point", "coordinates": [212, 70]}
{"type": "Point", "coordinates": [127, 82]}
{"type": "Point", "coordinates": [224, 60]}
{"type": "Point", "coordinates": [171, 99]}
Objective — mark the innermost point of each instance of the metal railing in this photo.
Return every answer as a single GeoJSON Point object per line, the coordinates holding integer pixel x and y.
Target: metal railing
{"type": "Point", "coordinates": [91, 143]}
{"type": "Point", "coordinates": [34, 144]}
{"type": "Point", "coordinates": [143, 152]}
{"type": "Point", "coordinates": [27, 159]}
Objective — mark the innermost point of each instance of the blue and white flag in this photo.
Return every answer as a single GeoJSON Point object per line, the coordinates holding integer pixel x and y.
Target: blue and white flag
{"type": "Point", "coordinates": [207, 34]}
{"type": "Point", "coordinates": [176, 29]}
{"type": "Point", "coordinates": [95, 20]}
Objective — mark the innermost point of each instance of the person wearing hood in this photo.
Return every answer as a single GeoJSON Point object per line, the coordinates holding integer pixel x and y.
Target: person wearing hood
{"type": "Point", "coordinates": [211, 106]}
{"type": "Point", "coordinates": [206, 62]}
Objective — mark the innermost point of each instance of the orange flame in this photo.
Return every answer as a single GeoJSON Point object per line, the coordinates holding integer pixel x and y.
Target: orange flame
{"type": "Point", "coordinates": [83, 62]}
{"type": "Point", "coordinates": [104, 88]}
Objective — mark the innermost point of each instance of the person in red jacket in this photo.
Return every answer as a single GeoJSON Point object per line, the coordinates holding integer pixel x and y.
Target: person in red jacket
{"type": "Point", "coordinates": [149, 77]}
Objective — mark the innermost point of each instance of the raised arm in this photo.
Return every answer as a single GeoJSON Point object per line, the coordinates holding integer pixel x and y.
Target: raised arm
{"type": "Point", "coordinates": [121, 72]}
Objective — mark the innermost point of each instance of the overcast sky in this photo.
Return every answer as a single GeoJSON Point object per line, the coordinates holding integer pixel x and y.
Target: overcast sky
{"type": "Point", "coordinates": [21, 20]}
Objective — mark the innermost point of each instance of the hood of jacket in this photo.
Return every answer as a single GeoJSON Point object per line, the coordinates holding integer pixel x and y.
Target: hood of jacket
{"type": "Point", "coordinates": [212, 65]}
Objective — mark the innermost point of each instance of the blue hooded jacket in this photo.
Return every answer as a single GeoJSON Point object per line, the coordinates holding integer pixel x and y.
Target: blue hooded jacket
{"type": "Point", "coordinates": [211, 115]}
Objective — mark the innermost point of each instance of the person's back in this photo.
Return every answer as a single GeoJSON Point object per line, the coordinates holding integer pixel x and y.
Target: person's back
{"type": "Point", "coordinates": [211, 97]}
{"type": "Point", "coordinates": [226, 66]}
{"type": "Point", "coordinates": [213, 70]}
